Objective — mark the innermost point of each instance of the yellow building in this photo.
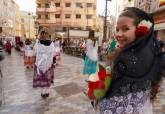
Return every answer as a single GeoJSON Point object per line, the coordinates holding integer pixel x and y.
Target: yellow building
{"type": "Point", "coordinates": [16, 20]}
{"type": "Point", "coordinates": [27, 20]}
{"type": "Point", "coordinates": [58, 15]}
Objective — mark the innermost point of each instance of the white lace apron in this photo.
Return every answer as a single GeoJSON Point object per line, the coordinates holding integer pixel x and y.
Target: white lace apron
{"type": "Point", "coordinates": [44, 56]}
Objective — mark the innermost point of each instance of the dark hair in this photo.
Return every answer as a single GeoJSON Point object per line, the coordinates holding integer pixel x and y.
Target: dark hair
{"type": "Point", "coordinates": [137, 14]}
{"type": "Point", "coordinates": [92, 36]}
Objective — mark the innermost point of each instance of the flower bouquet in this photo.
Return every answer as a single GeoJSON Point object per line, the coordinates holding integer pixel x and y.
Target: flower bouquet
{"type": "Point", "coordinates": [99, 83]}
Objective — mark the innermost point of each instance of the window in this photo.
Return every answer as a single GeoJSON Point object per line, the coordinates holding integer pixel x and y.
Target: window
{"type": "Point", "coordinates": [89, 16]}
{"type": "Point", "coordinates": [46, 16]}
{"type": "Point", "coordinates": [57, 4]}
{"type": "Point", "coordinates": [89, 5]}
{"type": "Point", "coordinates": [38, 16]}
{"type": "Point", "coordinates": [57, 15]}
{"type": "Point", "coordinates": [78, 16]}
{"type": "Point", "coordinates": [22, 20]}
{"type": "Point", "coordinates": [67, 4]}
{"type": "Point", "coordinates": [47, 5]}
{"type": "Point", "coordinates": [78, 4]}
{"type": "Point", "coordinates": [38, 5]}
{"type": "Point", "coordinates": [67, 16]}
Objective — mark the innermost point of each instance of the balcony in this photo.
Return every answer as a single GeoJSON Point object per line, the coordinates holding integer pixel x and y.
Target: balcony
{"type": "Point", "coordinates": [68, 10]}
{"type": "Point", "coordinates": [50, 21]}
{"type": "Point", "coordinates": [40, 9]}
{"type": "Point", "coordinates": [67, 1]}
{"type": "Point", "coordinates": [41, 20]}
{"type": "Point", "coordinates": [43, 1]}
{"type": "Point", "coordinates": [50, 10]}
{"type": "Point", "coordinates": [79, 11]}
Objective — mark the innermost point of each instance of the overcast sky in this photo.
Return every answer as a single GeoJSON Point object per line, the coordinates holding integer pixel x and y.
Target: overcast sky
{"type": "Point", "coordinates": [30, 5]}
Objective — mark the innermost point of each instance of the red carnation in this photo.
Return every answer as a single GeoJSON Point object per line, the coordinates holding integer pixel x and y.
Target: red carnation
{"type": "Point", "coordinates": [102, 75]}
{"type": "Point", "coordinates": [141, 31]}
{"type": "Point", "coordinates": [101, 85]}
{"type": "Point", "coordinates": [93, 85]}
{"type": "Point", "coordinates": [91, 95]}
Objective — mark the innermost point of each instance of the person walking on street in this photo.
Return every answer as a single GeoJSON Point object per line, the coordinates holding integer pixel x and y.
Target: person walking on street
{"type": "Point", "coordinates": [8, 47]}
{"type": "Point", "coordinates": [91, 58]}
{"type": "Point", "coordinates": [43, 67]}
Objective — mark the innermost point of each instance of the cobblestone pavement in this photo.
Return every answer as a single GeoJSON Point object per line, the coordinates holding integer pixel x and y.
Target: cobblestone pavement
{"type": "Point", "coordinates": [66, 95]}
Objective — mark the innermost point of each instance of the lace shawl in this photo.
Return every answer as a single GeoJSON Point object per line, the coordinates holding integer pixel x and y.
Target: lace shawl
{"type": "Point", "coordinates": [44, 56]}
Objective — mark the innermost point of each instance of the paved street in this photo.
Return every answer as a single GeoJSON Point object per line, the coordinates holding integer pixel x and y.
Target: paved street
{"type": "Point", "coordinates": [66, 96]}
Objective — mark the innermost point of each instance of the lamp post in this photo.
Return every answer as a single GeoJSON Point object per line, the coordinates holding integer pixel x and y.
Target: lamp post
{"type": "Point", "coordinates": [37, 28]}
{"type": "Point", "coordinates": [105, 22]}
{"type": "Point", "coordinates": [29, 25]}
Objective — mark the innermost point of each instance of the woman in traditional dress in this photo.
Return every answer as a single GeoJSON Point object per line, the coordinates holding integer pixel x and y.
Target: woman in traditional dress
{"type": "Point", "coordinates": [29, 54]}
{"type": "Point", "coordinates": [91, 58]}
{"type": "Point", "coordinates": [43, 68]}
{"type": "Point", "coordinates": [137, 66]}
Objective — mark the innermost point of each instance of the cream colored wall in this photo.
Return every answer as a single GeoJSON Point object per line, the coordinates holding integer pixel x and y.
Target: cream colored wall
{"type": "Point", "coordinates": [26, 25]}
{"type": "Point", "coordinates": [73, 10]}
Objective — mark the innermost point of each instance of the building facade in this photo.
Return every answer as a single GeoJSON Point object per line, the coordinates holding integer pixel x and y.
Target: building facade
{"type": "Point", "coordinates": [154, 7]}
{"type": "Point", "coordinates": [6, 18]}
{"type": "Point", "coordinates": [147, 5]}
{"type": "Point", "coordinates": [27, 28]}
{"type": "Point", "coordinates": [59, 15]}
{"type": "Point", "coordinates": [159, 19]}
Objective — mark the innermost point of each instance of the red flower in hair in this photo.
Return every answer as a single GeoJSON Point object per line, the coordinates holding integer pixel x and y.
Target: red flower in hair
{"type": "Point", "coordinates": [141, 31]}
{"type": "Point", "coordinates": [143, 28]}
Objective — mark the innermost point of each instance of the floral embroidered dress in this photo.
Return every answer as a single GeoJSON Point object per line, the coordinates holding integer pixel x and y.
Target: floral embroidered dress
{"type": "Point", "coordinates": [132, 103]}
{"type": "Point", "coordinates": [43, 69]}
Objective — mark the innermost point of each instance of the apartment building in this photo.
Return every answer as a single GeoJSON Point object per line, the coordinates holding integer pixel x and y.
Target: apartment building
{"type": "Point", "coordinates": [59, 15]}
{"type": "Point", "coordinates": [6, 17]}
{"type": "Point", "coordinates": [159, 19]}
{"type": "Point", "coordinates": [27, 20]}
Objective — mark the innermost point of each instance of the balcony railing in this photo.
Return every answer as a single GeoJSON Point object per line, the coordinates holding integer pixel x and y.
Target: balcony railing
{"type": "Point", "coordinates": [40, 9]}
{"type": "Point", "coordinates": [50, 21]}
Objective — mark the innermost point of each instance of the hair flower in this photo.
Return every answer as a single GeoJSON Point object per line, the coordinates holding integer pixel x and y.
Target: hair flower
{"type": "Point", "coordinates": [143, 28]}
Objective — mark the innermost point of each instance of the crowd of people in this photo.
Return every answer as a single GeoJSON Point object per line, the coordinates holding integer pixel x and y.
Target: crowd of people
{"type": "Point", "coordinates": [136, 78]}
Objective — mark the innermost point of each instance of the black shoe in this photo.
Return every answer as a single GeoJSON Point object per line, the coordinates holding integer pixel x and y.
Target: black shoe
{"type": "Point", "coordinates": [43, 95]}
{"type": "Point", "coordinates": [47, 95]}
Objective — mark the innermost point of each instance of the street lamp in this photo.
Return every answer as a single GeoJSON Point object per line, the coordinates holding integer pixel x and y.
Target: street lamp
{"type": "Point", "coordinates": [37, 27]}
{"type": "Point", "coordinates": [29, 24]}
{"type": "Point", "coordinates": [105, 22]}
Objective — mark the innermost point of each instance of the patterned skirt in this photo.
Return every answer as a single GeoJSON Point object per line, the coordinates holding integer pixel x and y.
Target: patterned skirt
{"type": "Point", "coordinates": [29, 61]}
{"type": "Point", "coordinates": [43, 79]}
{"type": "Point", "coordinates": [90, 66]}
{"type": "Point", "coordinates": [133, 103]}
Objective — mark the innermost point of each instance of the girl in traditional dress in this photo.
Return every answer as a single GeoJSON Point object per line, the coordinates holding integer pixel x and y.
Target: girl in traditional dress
{"type": "Point", "coordinates": [136, 73]}
{"type": "Point", "coordinates": [29, 54]}
{"type": "Point", "coordinates": [91, 58]}
{"type": "Point", "coordinates": [43, 68]}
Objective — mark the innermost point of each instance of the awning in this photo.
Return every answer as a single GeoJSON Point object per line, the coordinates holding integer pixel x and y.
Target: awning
{"type": "Point", "coordinates": [80, 34]}
{"type": "Point", "coordinates": [159, 26]}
